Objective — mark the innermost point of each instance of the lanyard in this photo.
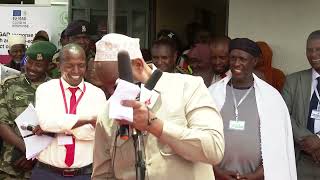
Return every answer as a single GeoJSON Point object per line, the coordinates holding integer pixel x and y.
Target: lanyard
{"type": "Point", "coordinates": [241, 100]}
{"type": "Point", "coordinates": [65, 101]}
{"type": "Point", "coordinates": [316, 91]}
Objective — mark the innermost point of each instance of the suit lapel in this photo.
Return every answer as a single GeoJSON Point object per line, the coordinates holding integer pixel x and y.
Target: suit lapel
{"type": "Point", "coordinates": [305, 88]}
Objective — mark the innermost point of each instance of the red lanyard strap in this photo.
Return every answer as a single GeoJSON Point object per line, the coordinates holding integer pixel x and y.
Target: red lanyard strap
{"type": "Point", "coordinates": [64, 97]}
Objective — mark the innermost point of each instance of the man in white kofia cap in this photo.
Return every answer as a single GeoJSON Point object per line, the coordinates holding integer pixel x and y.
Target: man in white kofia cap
{"type": "Point", "coordinates": [182, 129]}
{"type": "Point", "coordinates": [17, 49]}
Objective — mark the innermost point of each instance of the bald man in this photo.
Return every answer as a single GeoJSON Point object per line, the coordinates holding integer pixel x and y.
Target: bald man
{"type": "Point", "coordinates": [68, 107]}
{"type": "Point", "coordinates": [219, 47]}
{"type": "Point", "coordinates": [180, 141]}
{"type": "Point", "coordinates": [199, 61]}
{"type": "Point", "coordinates": [301, 93]}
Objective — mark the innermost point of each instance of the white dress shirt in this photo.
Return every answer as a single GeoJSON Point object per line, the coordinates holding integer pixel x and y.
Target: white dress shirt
{"type": "Point", "coordinates": [53, 118]}
{"type": "Point", "coordinates": [314, 84]}
{"type": "Point", "coordinates": [217, 77]}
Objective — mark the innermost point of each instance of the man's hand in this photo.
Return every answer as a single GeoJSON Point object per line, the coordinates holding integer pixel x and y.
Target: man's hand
{"type": "Point", "coordinates": [316, 156]}
{"type": "Point", "coordinates": [141, 114]}
{"type": "Point", "coordinates": [258, 174]}
{"type": "Point", "coordinates": [310, 143]}
{"type": "Point", "coordinates": [93, 121]}
{"type": "Point", "coordinates": [24, 164]}
{"type": "Point", "coordinates": [83, 121]}
{"type": "Point", "coordinates": [251, 176]}
{"type": "Point", "coordinates": [37, 130]}
{"type": "Point", "coordinates": [221, 174]}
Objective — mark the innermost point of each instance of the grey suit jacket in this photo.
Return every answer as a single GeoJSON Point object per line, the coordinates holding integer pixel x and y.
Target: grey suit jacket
{"type": "Point", "coordinates": [296, 93]}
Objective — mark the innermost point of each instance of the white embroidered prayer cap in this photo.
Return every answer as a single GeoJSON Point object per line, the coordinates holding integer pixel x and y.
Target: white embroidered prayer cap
{"type": "Point", "coordinates": [16, 39]}
{"type": "Point", "coordinates": [108, 47]}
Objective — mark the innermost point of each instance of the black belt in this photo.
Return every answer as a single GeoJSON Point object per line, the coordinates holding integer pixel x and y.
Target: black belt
{"type": "Point", "coordinates": [67, 172]}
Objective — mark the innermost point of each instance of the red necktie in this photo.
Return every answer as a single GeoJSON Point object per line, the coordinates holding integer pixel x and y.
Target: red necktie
{"type": "Point", "coordinates": [72, 110]}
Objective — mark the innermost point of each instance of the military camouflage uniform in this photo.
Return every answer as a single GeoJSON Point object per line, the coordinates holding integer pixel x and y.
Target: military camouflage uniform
{"type": "Point", "coordinates": [17, 93]}
{"type": "Point", "coordinates": [55, 72]}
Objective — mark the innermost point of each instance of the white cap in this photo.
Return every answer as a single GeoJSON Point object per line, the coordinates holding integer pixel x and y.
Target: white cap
{"type": "Point", "coordinates": [108, 47]}
{"type": "Point", "coordinates": [16, 39]}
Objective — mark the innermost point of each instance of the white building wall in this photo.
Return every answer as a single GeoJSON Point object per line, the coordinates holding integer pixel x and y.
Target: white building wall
{"type": "Point", "coordinates": [284, 24]}
{"type": "Point", "coordinates": [60, 17]}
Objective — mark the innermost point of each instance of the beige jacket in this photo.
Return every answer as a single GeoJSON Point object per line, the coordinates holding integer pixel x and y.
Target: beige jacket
{"type": "Point", "coordinates": [192, 138]}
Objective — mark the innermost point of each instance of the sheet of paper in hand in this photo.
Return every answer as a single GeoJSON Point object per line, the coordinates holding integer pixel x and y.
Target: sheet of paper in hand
{"type": "Point", "coordinates": [124, 91]}
{"type": "Point", "coordinates": [34, 144]}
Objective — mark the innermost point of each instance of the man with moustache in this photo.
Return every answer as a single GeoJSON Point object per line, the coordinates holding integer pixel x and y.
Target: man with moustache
{"type": "Point", "coordinates": [68, 107]}
{"type": "Point", "coordinates": [17, 49]}
{"type": "Point", "coordinates": [164, 55]}
{"type": "Point", "coordinates": [17, 93]}
{"type": "Point", "coordinates": [182, 130]}
{"type": "Point", "coordinates": [301, 93]}
{"type": "Point", "coordinates": [257, 125]}
{"type": "Point", "coordinates": [78, 32]}
{"type": "Point", "coordinates": [219, 47]}
{"type": "Point", "coordinates": [200, 63]}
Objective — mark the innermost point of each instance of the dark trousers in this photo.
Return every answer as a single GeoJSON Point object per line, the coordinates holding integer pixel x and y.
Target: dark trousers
{"type": "Point", "coordinates": [44, 174]}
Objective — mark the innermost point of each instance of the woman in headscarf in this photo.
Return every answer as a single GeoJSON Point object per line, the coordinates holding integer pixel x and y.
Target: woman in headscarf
{"type": "Point", "coordinates": [272, 76]}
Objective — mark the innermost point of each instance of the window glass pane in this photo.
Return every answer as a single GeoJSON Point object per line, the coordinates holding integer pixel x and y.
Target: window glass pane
{"type": "Point", "coordinates": [139, 24]}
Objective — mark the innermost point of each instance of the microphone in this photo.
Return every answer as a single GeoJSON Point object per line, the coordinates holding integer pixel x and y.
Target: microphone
{"type": "Point", "coordinates": [154, 78]}
{"type": "Point", "coordinates": [28, 127]}
{"type": "Point", "coordinates": [125, 73]}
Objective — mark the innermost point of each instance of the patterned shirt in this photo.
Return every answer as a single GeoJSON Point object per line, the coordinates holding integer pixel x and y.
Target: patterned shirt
{"type": "Point", "coordinates": [17, 93]}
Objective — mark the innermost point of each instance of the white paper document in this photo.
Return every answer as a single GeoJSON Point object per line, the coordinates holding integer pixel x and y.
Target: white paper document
{"type": "Point", "coordinates": [34, 144]}
{"type": "Point", "coordinates": [124, 91]}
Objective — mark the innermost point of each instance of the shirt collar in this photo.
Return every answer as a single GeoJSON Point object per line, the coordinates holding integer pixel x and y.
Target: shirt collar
{"type": "Point", "coordinates": [315, 74]}
{"type": "Point", "coordinates": [153, 68]}
{"type": "Point", "coordinates": [66, 85]}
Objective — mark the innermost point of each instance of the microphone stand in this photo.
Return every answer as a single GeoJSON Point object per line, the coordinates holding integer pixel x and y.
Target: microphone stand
{"type": "Point", "coordinates": [139, 154]}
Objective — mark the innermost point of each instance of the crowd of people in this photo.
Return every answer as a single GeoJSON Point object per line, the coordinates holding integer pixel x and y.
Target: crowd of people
{"type": "Point", "coordinates": [221, 111]}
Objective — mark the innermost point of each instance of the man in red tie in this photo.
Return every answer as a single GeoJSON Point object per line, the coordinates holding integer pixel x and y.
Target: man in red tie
{"type": "Point", "coordinates": [68, 107]}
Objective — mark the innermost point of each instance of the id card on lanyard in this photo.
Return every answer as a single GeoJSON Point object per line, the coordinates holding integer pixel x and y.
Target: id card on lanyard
{"type": "Point", "coordinates": [316, 112]}
{"type": "Point", "coordinates": [238, 124]}
{"type": "Point", "coordinates": [65, 139]}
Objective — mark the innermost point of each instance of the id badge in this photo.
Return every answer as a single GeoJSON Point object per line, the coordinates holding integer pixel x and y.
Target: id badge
{"type": "Point", "coordinates": [315, 114]}
{"type": "Point", "coordinates": [236, 125]}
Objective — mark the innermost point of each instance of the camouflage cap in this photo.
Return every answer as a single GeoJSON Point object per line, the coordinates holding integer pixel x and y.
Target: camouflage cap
{"type": "Point", "coordinates": [41, 50]}
{"type": "Point", "coordinates": [78, 27]}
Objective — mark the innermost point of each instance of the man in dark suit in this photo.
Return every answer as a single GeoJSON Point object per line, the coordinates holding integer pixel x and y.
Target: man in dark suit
{"type": "Point", "coordinates": [301, 95]}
